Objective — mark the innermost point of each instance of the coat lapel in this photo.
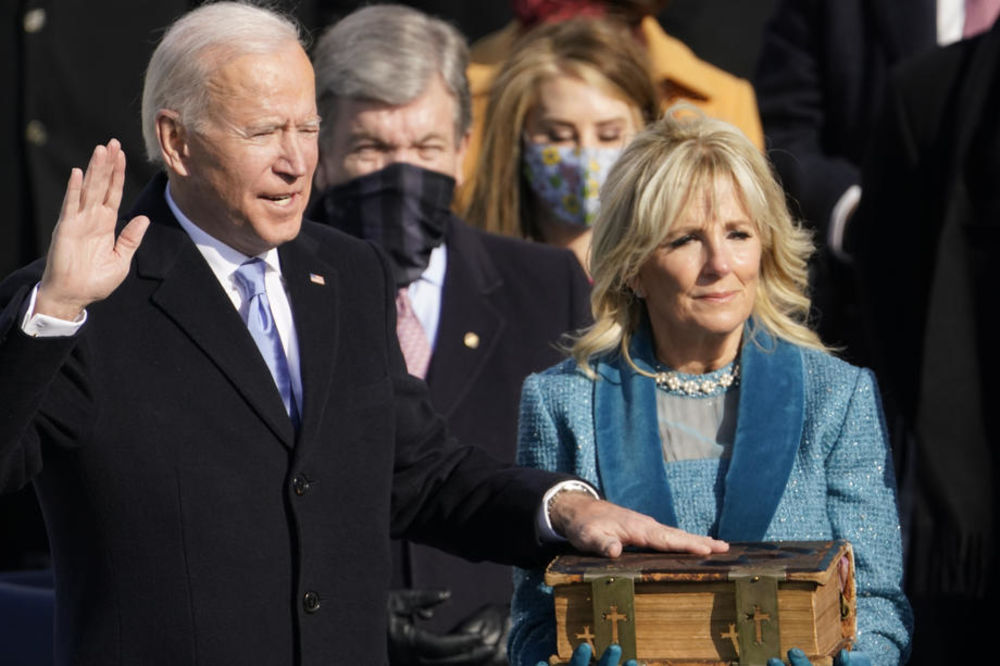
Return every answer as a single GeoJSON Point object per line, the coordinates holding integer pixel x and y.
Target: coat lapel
{"type": "Point", "coordinates": [768, 433]}
{"type": "Point", "coordinates": [470, 327]}
{"type": "Point", "coordinates": [190, 295]}
{"type": "Point", "coordinates": [313, 291]}
{"type": "Point", "coordinates": [629, 455]}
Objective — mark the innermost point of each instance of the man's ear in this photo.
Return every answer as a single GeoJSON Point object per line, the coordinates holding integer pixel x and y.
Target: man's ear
{"type": "Point", "coordinates": [460, 152]}
{"type": "Point", "coordinates": [173, 139]}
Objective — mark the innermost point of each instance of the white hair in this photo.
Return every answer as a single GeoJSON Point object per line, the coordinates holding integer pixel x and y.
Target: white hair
{"type": "Point", "coordinates": [193, 47]}
{"type": "Point", "coordinates": [389, 54]}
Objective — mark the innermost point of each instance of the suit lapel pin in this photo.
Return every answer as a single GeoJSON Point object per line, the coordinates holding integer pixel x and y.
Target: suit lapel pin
{"type": "Point", "coordinates": [471, 340]}
{"type": "Point", "coordinates": [317, 279]}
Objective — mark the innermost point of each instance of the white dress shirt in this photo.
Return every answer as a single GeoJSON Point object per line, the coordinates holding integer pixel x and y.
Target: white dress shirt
{"type": "Point", "coordinates": [425, 293]}
{"type": "Point", "coordinates": [950, 21]}
{"type": "Point", "coordinates": [224, 260]}
{"type": "Point", "coordinates": [44, 326]}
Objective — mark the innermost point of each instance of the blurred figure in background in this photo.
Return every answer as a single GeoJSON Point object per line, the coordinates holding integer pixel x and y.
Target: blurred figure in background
{"type": "Point", "coordinates": [925, 241]}
{"type": "Point", "coordinates": [561, 110]}
{"type": "Point", "coordinates": [476, 312]}
{"type": "Point", "coordinates": [678, 73]}
{"type": "Point", "coordinates": [823, 67]}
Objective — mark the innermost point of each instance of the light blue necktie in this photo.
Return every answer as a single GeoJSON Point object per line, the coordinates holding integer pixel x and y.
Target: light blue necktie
{"type": "Point", "coordinates": [260, 321]}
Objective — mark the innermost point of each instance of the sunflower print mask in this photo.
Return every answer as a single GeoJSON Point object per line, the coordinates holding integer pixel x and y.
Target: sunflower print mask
{"type": "Point", "coordinates": [567, 179]}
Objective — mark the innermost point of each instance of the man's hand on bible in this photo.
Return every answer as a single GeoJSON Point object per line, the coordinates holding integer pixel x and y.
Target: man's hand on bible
{"type": "Point", "coordinates": [597, 526]}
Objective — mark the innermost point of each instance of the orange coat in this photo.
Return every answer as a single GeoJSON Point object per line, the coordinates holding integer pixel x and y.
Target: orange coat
{"type": "Point", "coordinates": [679, 74]}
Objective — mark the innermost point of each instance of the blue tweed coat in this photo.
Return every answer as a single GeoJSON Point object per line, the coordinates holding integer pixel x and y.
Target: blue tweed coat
{"type": "Point", "coordinates": [809, 462]}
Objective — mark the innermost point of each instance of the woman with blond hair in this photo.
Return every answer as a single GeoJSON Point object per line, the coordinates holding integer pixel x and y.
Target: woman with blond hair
{"type": "Point", "coordinates": [560, 112]}
{"type": "Point", "coordinates": [700, 396]}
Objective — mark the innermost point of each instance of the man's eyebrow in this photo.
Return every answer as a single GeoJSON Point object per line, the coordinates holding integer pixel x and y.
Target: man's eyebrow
{"type": "Point", "coordinates": [433, 135]}
{"type": "Point", "coordinates": [252, 128]}
{"type": "Point", "coordinates": [273, 124]}
{"type": "Point", "coordinates": [363, 135]}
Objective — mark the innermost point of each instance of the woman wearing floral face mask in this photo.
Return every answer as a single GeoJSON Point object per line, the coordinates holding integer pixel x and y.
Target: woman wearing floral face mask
{"type": "Point", "coordinates": [561, 110]}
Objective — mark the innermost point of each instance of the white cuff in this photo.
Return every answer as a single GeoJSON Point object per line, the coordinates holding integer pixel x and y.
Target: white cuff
{"type": "Point", "coordinates": [44, 326]}
{"type": "Point", "coordinates": [543, 522]}
{"type": "Point", "coordinates": [839, 216]}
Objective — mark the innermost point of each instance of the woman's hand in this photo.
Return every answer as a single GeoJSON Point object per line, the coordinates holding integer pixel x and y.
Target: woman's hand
{"type": "Point", "coordinates": [797, 657]}
{"type": "Point", "coordinates": [611, 657]}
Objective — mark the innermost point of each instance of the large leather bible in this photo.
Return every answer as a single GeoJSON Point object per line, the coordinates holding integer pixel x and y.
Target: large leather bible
{"type": "Point", "coordinates": [741, 607]}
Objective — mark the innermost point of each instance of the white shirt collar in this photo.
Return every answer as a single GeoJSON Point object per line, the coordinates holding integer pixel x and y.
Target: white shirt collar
{"type": "Point", "coordinates": [221, 258]}
{"type": "Point", "coordinates": [436, 266]}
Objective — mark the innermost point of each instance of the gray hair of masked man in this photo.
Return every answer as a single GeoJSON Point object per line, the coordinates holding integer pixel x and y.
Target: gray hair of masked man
{"type": "Point", "coordinates": [413, 50]}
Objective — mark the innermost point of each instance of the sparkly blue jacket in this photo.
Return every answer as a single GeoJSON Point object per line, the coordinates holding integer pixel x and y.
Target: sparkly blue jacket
{"type": "Point", "coordinates": [809, 462]}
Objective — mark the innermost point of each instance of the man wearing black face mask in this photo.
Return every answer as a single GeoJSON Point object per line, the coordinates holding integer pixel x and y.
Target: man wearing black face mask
{"type": "Point", "coordinates": [477, 313]}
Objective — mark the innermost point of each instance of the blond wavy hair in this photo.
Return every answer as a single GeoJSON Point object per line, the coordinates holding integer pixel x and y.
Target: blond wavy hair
{"type": "Point", "coordinates": [648, 189]}
{"type": "Point", "coordinates": [602, 53]}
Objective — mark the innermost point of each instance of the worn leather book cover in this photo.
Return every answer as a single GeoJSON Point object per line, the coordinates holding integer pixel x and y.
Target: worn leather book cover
{"type": "Point", "coordinates": [741, 607]}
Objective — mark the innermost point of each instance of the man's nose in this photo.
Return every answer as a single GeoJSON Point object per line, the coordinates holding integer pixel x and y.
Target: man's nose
{"type": "Point", "coordinates": [294, 150]}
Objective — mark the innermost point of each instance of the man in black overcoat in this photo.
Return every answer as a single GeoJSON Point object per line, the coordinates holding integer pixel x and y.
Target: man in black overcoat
{"type": "Point", "coordinates": [926, 240]}
{"type": "Point", "coordinates": [212, 496]}
{"type": "Point", "coordinates": [823, 66]}
{"type": "Point", "coordinates": [392, 86]}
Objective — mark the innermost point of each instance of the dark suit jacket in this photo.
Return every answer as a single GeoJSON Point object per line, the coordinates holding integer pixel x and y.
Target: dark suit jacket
{"type": "Point", "coordinates": [823, 66]}
{"type": "Point", "coordinates": [518, 299]}
{"type": "Point", "coordinates": [189, 522]}
{"type": "Point", "coordinates": [926, 241]}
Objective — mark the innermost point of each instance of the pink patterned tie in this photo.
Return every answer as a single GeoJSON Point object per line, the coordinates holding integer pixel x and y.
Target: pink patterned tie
{"type": "Point", "coordinates": [412, 337]}
{"type": "Point", "coordinates": [979, 16]}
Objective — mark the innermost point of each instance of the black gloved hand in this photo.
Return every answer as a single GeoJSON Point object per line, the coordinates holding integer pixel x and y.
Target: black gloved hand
{"type": "Point", "coordinates": [410, 645]}
{"type": "Point", "coordinates": [492, 624]}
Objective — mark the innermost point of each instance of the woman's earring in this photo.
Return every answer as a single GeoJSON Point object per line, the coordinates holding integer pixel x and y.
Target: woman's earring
{"type": "Point", "coordinates": [639, 293]}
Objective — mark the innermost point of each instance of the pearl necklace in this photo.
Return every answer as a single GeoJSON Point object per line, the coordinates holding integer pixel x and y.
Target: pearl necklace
{"type": "Point", "coordinates": [711, 384]}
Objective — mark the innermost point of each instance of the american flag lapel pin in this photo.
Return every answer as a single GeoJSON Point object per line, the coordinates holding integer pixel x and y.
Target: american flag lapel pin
{"type": "Point", "coordinates": [317, 279]}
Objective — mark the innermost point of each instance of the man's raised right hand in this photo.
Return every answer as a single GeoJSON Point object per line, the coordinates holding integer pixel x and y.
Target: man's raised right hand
{"type": "Point", "coordinates": [86, 262]}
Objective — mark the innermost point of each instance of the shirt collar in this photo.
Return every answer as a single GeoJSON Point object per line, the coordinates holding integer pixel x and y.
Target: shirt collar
{"type": "Point", "coordinates": [221, 258]}
{"type": "Point", "coordinates": [437, 265]}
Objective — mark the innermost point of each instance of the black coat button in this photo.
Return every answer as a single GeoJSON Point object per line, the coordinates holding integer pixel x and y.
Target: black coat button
{"type": "Point", "coordinates": [310, 601]}
{"type": "Point", "coordinates": [301, 485]}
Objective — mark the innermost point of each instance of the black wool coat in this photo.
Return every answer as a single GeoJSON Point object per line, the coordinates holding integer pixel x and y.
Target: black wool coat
{"type": "Point", "coordinates": [190, 523]}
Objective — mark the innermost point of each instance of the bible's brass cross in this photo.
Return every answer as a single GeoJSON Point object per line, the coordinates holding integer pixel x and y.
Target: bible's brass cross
{"type": "Point", "coordinates": [614, 617]}
{"type": "Point", "coordinates": [758, 617]}
{"type": "Point", "coordinates": [734, 636]}
{"type": "Point", "coordinates": [588, 637]}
